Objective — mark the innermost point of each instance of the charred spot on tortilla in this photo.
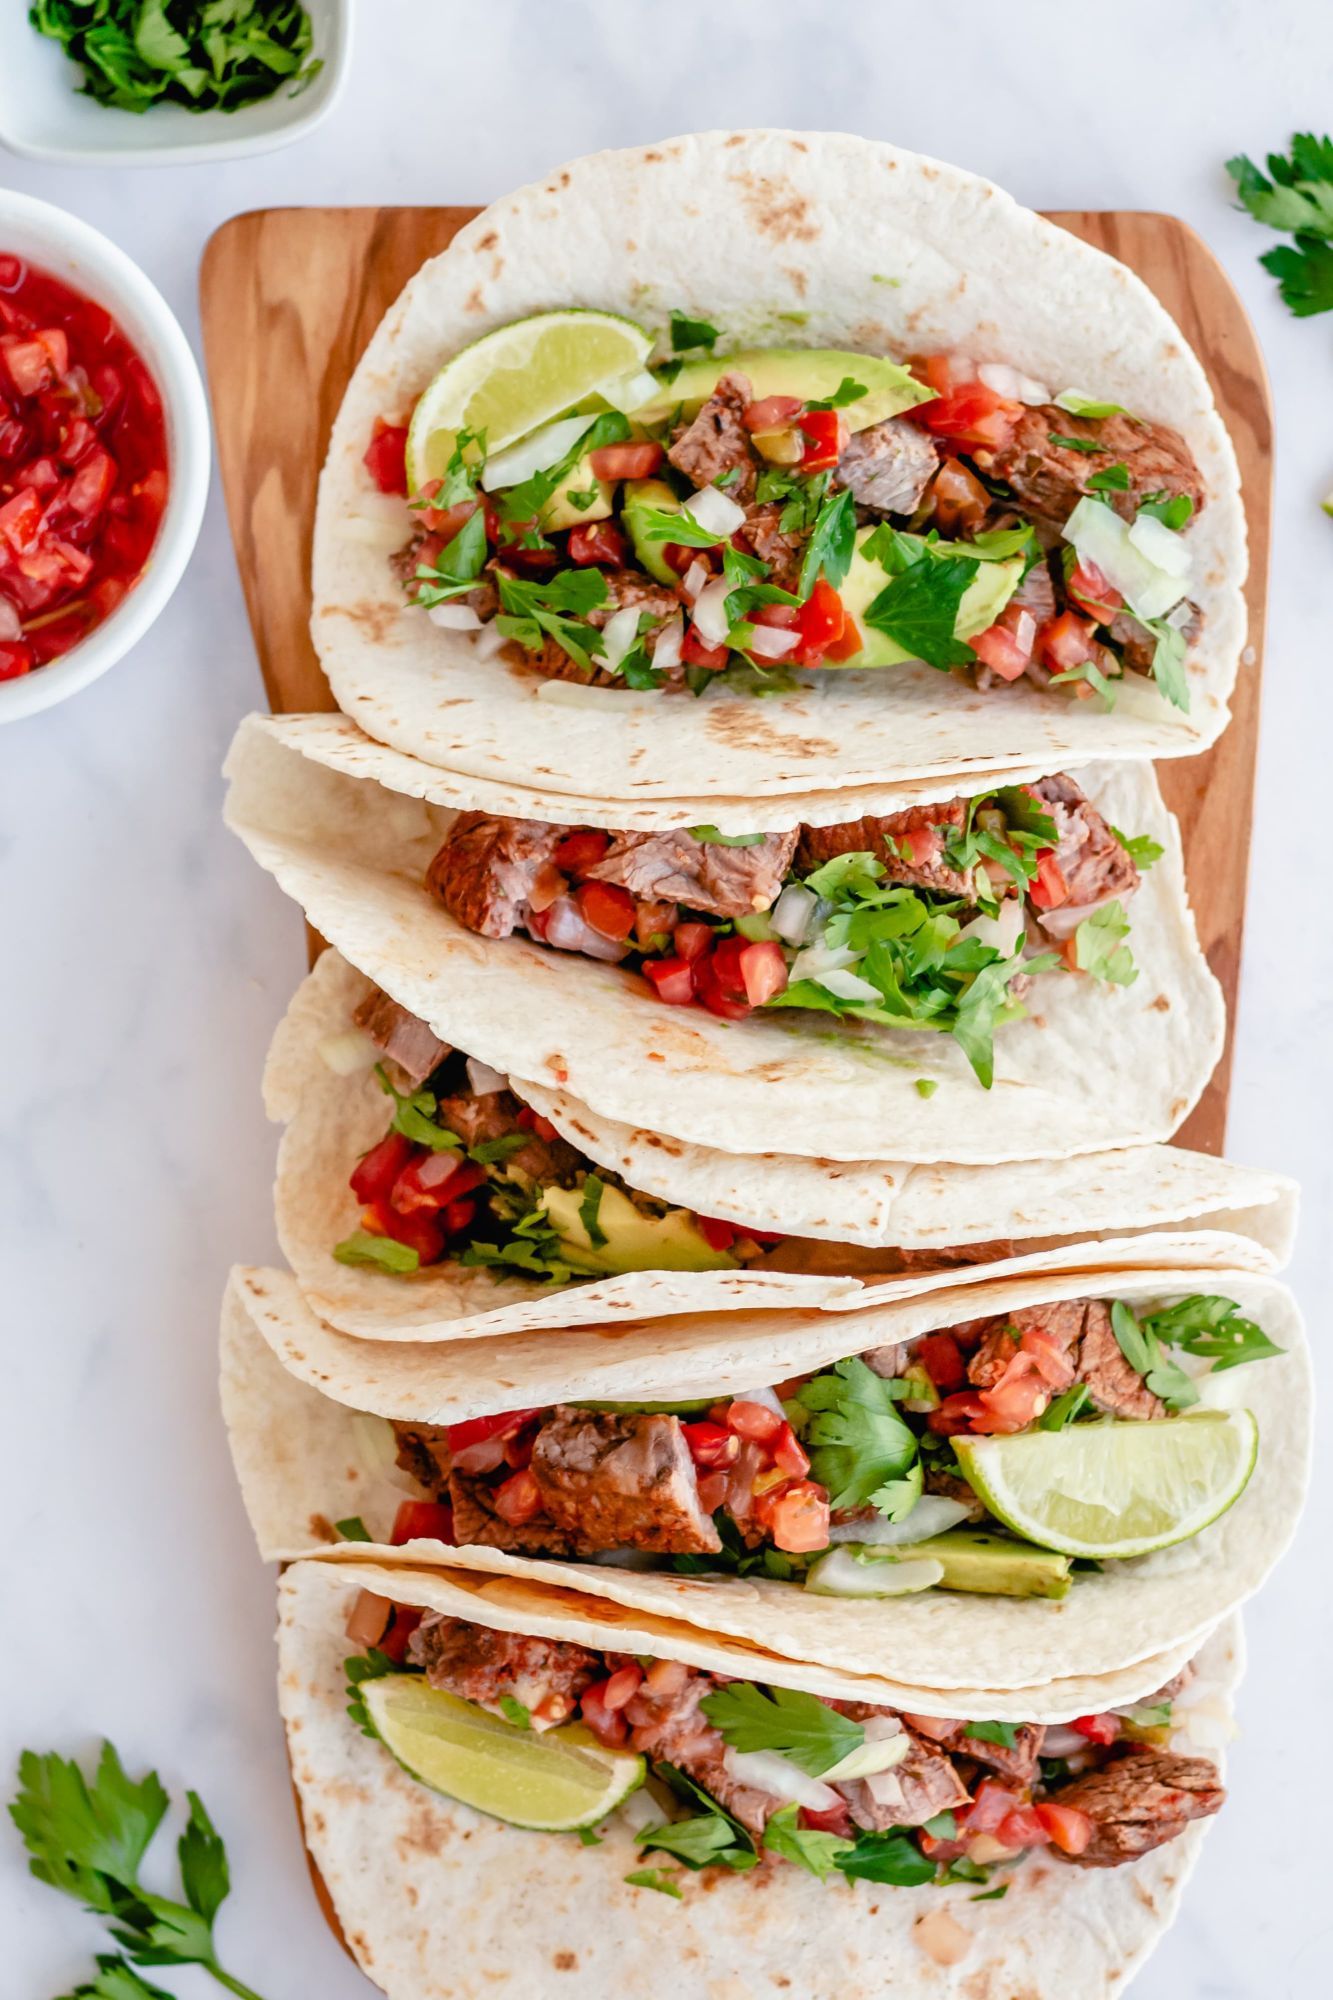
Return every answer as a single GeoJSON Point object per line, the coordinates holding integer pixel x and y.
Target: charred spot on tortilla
{"type": "Point", "coordinates": [778, 210]}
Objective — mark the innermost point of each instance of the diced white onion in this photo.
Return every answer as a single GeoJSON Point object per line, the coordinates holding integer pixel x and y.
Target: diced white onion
{"type": "Point", "coordinates": [710, 611]}
{"type": "Point", "coordinates": [1161, 545]}
{"type": "Point", "coordinates": [640, 1811]}
{"type": "Point", "coordinates": [1002, 930]}
{"type": "Point", "coordinates": [1011, 383]}
{"type": "Point", "coordinates": [818, 959]}
{"type": "Point", "coordinates": [773, 642]}
{"type": "Point", "coordinates": [715, 512]}
{"type": "Point", "coordinates": [545, 448]}
{"type": "Point", "coordinates": [767, 1397]}
{"type": "Point", "coordinates": [619, 633]}
{"type": "Point", "coordinates": [839, 1574]}
{"type": "Point", "coordinates": [933, 1514]}
{"type": "Point", "coordinates": [490, 641]}
{"type": "Point", "coordinates": [769, 1771]}
{"type": "Point", "coordinates": [671, 638]}
{"type": "Point", "coordinates": [849, 986]}
{"type": "Point", "coordinates": [961, 367]}
{"type": "Point", "coordinates": [348, 1053]}
{"type": "Point", "coordinates": [886, 1744]}
{"type": "Point", "coordinates": [792, 913]}
{"type": "Point", "coordinates": [485, 1081]}
{"type": "Point", "coordinates": [628, 392]}
{"type": "Point", "coordinates": [694, 579]}
{"type": "Point", "coordinates": [454, 617]}
{"type": "Point", "coordinates": [1098, 533]}
{"type": "Point", "coordinates": [941, 1937]}
{"type": "Point", "coordinates": [389, 510]}
{"type": "Point", "coordinates": [375, 1443]}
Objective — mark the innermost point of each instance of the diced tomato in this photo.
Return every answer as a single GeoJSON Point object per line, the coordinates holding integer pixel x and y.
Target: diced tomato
{"type": "Point", "coordinates": [1053, 1364]}
{"type": "Point", "coordinates": [406, 1618]}
{"type": "Point", "coordinates": [476, 1430]}
{"type": "Point", "coordinates": [1007, 650]}
{"type": "Point", "coordinates": [532, 1121]}
{"type": "Point", "coordinates": [375, 1172]}
{"type": "Point", "coordinates": [679, 556]}
{"type": "Point", "coordinates": [458, 1215]}
{"type": "Point", "coordinates": [939, 1850]}
{"type": "Point", "coordinates": [796, 1515]}
{"type": "Point", "coordinates": [781, 615]}
{"type": "Point", "coordinates": [1015, 1401]}
{"type": "Point", "coordinates": [789, 1454]}
{"type": "Point", "coordinates": [42, 475]}
{"type": "Point", "coordinates": [582, 849]}
{"type": "Point", "coordinates": [16, 658]}
{"type": "Point", "coordinates": [424, 1521]}
{"type": "Point", "coordinates": [921, 845]}
{"type": "Point", "coordinates": [518, 1500]}
{"type": "Point", "coordinates": [754, 1421]}
{"type": "Point", "coordinates": [1090, 588]}
{"type": "Point", "coordinates": [672, 979]}
{"type": "Point", "coordinates": [29, 364]}
{"type": "Point", "coordinates": [697, 653]}
{"type": "Point", "coordinates": [763, 971]}
{"type": "Point", "coordinates": [716, 995]}
{"type": "Point", "coordinates": [607, 1724]}
{"type": "Point", "coordinates": [20, 520]}
{"type": "Point", "coordinates": [1065, 642]}
{"type": "Point", "coordinates": [848, 644]}
{"type": "Point", "coordinates": [771, 413]}
{"type": "Point", "coordinates": [825, 433]}
{"type": "Point", "coordinates": [385, 457]}
{"type": "Point", "coordinates": [942, 1359]}
{"type": "Point", "coordinates": [607, 907]}
{"type": "Point", "coordinates": [716, 1234]}
{"type": "Point", "coordinates": [692, 940]}
{"type": "Point", "coordinates": [956, 1413]}
{"type": "Point", "coordinates": [444, 522]}
{"type": "Point", "coordinates": [597, 542]}
{"type": "Point", "coordinates": [991, 1805]}
{"type": "Point", "coordinates": [821, 623]}
{"type": "Point", "coordinates": [1022, 1828]}
{"type": "Point", "coordinates": [1097, 1728]}
{"type": "Point", "coordinates": [434, 1181]}
{"type": "Point", "coordinates": [1048, 889]}
{"type": "Point", "coordinates": [711, 1444]}
{"type": "Point", "coordinates": [622, 1687]}
{"type": "Point", "coordinates": [713, 1490]}
{"type": "Point", "coordinates": [969, 413]}
{"type": "Point", "coordinates": [422, 1232]}
{"type": "Point", "coordinates": [834, 1819]}
{"type": "Point", "coordinates": [958, 499]}
{"type": "Point", "coordinates": [1069, 1829]}
{"type": "Point", "coordinates": [626, 461]}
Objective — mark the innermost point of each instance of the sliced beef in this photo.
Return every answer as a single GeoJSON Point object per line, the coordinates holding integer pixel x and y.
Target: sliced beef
{"type": "Point", "coordinates": [1082, 1329]}
{"type": "Point", "coordinates": [666, 1726]}
{"type": "Point", "coordinates": [763, 535]}
{"type": "Point", "coordinates": [703, 874]}
{"type": "Point", "coordinates": [925, 1783]}
{"type": "Point", "coordinates": [1050, 479]}
{"type": "Point", "coordinates": [423, 1451]}
{"type": "Point", "coordinates": [488, 867]}
{"type": "Point", "coordinates": [475, 1520]}
{"type": "Point", "coordinates": [881, 835]}
{"type": "Point", "coordinates": [480, 1664]}
{"type": "Point", "coordinates": [1113, 1385]}
{"type": "Point", "coordinates": [717, 442]}
{"type": "Point", "coordinates": [1138, 645]}
{"type": "Point", "coordinates": [415, 1048]}
{"type": "Point", "coordinates": [1139, 1799]}
{"type": "Point", "coordinates": [997, 1350]}
{"type": "Point", "coordinates": [888, 467]}
{"type": "Point", "coordinates": [1016, 1766]}
{"type": "Point", "coordinates": [497, 1115]}
{"type": "Point", "coordinates": [629, 587]}
{"type": "Point", "coordinates": [1036, 593]}
{"type": "Point", "coordinates": [1091, 859]}
{"type": "Point", "coordinates": [622, 1482]}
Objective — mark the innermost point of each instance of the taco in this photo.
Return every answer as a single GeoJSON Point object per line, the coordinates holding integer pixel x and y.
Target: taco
{"type": "Point", "coordinates": [422, 1196]}
{"type": "Point", "coordinates": [879, 445]}
{"type": "Point", "coordinates": [1077, 1465]}
{"type": "Point", "coordinates": [800, 992]}
{"type": "Point", "coordinates": [800, 1826]}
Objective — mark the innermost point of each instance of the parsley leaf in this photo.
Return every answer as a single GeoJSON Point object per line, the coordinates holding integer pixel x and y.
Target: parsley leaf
{"type": "Point", "coordinates": [857, 1441]}
{"type": "Point", "coordinates": [1098, 949]}
{"type": "Point", "coordinates": [1141, 848]}
{"type": "Point", "coordinates": [1213, 1329]}
{"type": "Point", "coordinates": [706, 1840]}
{"type": "Point", "coordinates": [1168, 662]}
{"type": "Point", "coordinates": [457, 567]}
{"type": "Point", "coordinates": [117, 1980]}
{"type": "Point", "coordinates": [660, 1879]}
{"type": "Point", "coordinates": [1143, 1351]}
{"type": "Point", "coordinates": [847, 391]}
{"type": "Point", "coordinates": [1296, 196]}
{"type": "Point", "coordinates": [918, 609]}
{"type": "Point", "coordinates": [660, 524]}
{"type": "Point", "coordinates": [795, 1724]}
{"type": "Point", "coordinates": [558, 609]}
{"type": "Point", "coordinates": [831, 544]}
{"type": "Point", "coordinates": [353, 1529]}
{"type": "Point", "coordinates": [590, 1208]}
{"type": "Point", "coordinates": [414, 1117]}
{"type": "Point", "coordinates": [687, 333]}
{"type": "Point", "coordinates": [809, 1848]}
{"type": "Point", "coordinates": [892, 1857]}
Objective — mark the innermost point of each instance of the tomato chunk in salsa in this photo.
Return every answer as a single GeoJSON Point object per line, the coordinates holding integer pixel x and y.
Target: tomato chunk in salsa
{"type": "Point", "coordinates": [83, 466]}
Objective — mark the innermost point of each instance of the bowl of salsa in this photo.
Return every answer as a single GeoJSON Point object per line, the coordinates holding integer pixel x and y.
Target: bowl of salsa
{"type": "Point", "coordinates": [104, 454]}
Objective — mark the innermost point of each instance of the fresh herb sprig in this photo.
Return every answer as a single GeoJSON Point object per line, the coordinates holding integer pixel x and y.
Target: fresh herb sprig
{"type": "Point", "coordinates": [219, 57]}
{"type": "Point", "coordinates": [1295, 197]}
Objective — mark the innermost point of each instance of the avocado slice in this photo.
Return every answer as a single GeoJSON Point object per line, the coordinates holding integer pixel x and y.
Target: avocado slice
{"type": "Point", "coordinates": [634, 1241]}
{"type": "Point", "coordinates": [983, 601]}
{"type": "Point", "coordinates": [561, 512]}
{"type": "Point", "coordinates": [639, 496]}
{"type": "Point", "coordinates": [812, 373]}
{"type": "Point", "coordinates": [992, 1565]}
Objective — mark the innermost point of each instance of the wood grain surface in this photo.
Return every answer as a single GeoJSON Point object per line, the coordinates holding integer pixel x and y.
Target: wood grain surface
{"type": "Point", "coordinates": [290, 297]}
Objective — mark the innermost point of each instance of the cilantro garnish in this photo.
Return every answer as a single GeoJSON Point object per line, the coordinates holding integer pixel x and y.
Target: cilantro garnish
{"type": "Point", "coordinates": [1065, 1408]}
{"type": "Point", "coordinates": [831, 544]}
{"type": "Point", "coordinates": [709, 836]}
{"type": "Point", "coordinates": [708, 1839]}
{"type": "Point", "coordinates": [372, 1665]}
{"type": "Point", "coordinates": [857, 1441]}
{"type": "Point", "coordinates": [466, 459]}
{"type": "Point", "coordinates": [1212, 1328]}
{"type": "Point", "coordinates": [457, 567]}
{"type": "Point", "coordinates": [362, 1247]}
{"type": "Point", "coordinates": [590, 1208]}
{"type": "Point", "coordinates": [89, 1839]}
{"type": "Point", "coordinates": [1168, 662]}
{"type": "Point", "coordinates": [1089, 445]}
{"type": "Point", "coordinates": [499, 1151]}
{"type": "Point", "coordinates": [1143, 1350]}
{"type": "Point", "coordinates": [802, 495]}
{"type": "Point", "coordinates": [1296, 196]}
{"type": "Point", "coordinates": [660, 1879]}
{"type": "Point", "coordinates": [817, 1852]}
{"type": "Point", "coordinates": [513, 1711]}
{"type": "Point", "coordinates": [1098, 947]}
{"type": "Point", "coordinates": [353, 1529]}
{"type": "Point", "coordinates": [1003, 1733]}
{"type": "Point", "coordinates": [687, 333]}
{"type": "Point", "coordinates": [523, 504]}
{"type": "Point", "coordinates": [926, 1086]}
{"type": "Point", "coordinates": [557, 609]}
{"type": "Point", "coordinates": [137, 53]}
{"type": "Point", "coordinates": [1141, 848]}
{"type": "Point", "coordinates": [1173, 510]}
{"type": "Point", "coordinates": [659, 524]}
{"type": "Point", "coordinates": [893, 1858]}
{"type": "Point", "coordinates": [918, 609]}
{"type": "Point", "coordinates": [414, 1116]}
{"type": "Point", "coordinates": [795, 1724]}
{"type": "Point", "coordinates": [1114, 479]}
{"type": "Point", "coordinates": [1085, 406]}
{"type": "Point", "coordinates": [847, 391]}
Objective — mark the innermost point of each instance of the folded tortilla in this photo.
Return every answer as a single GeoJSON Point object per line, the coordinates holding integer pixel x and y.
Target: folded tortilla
{"type": "Point", "coordinates": [438, 1902]}
{"type": "Point", "coordinates": [1110, 1620]}
{"type": "Point", "coordinates": [865, 246]}
{"type": "Point", "coordinates": [1093, 1068]}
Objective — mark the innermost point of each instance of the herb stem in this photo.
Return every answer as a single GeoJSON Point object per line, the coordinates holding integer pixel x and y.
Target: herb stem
{"type": "Point", "coordinates": [235, 1986]}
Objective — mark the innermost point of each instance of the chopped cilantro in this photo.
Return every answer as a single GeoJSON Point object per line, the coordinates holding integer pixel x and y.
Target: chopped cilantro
{"type": "Point", "coordinates": [795, 1724]}
{"type": "Point", "coordinates": [1141, 848]}
{"type": "Point", "coordinates": [1003, 1733]}
{"type": "Point", "coordinates": [1090, 446]}
{"type": "Point", "coordinates": [1296, 196]}
{"type": "Point", "coordinates": [809, 1848]}
{"type": "Point", "coordinates": [497, 1152]}
{"type": "Point", "coordinates": [658, 524]}
{"type": "Point", "coordinates": [457, 567]}
{"type": "Point", "coordinates": [1142, 1349]}
{"type": "Point", "coordinates": [847, 391]}
{"type": "Point", "coordinates": [558, 609]}
{"type": "Point", "coordinates": [831, 544]}
{"type": "Point", "coordinates": [1065, 1408]}
{"type": "Point", "coordinates": [371, 1665]}
{"type": "Point", "coordinates": [1098, 947]}
{"type": "Point", "coordinates": [1212, 1328]}
{"type": "Point", "coordinates": [353, 1529]}
{"type": "Point", "coordinates": [1085, 406]}
{"type": "Point", "coordinates": [893, 1858]}
{"type": "Point", "coordinates": [1168, 662]}
{"type": "Point", "coordinates": [660, 1879]}
{"type": "Point", "coordinates": [709, 836]}
{"type": "Point", "coordinates": [687, 333]}
{"type": "Point", "coordinates": [990, 1895]}
{"type": "Point", "coordinates": [135, 53]}
{"type": "Point", "coordinates": [926, 1086]}
{"type": "Point", "coordinates": [1115, 479]}
{"type": "Point", "coordinates": [857, 1441]}
{"type": "Point", "coordinates": [918, 609]}
{"type": "Point", "coordinates": [513, 1711]}
{"type": "Point", "coordinates": [1173, 510]}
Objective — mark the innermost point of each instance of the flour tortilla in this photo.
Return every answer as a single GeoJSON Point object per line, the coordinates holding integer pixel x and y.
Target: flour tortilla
{"type": "Point", "coordinates": [441, 1903]}
{"type": "Point", "coordinates": [1094, 1068]}
{"type": "Point", "coordinates": [332, 1120]}
{"type": "Point", "coordinates": [876, 249]}
{"type": "Point", "coordinates": [1109, 1621]}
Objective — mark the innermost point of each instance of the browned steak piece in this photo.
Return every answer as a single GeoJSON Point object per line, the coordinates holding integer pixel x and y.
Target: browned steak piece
{"type": "Point", "coordinates": [415, 1048]}
{"type": "Point", "coordinates": [703, 874]}
{"type": "Point", "coordinates": [666, 1726]}
{"type": "Point", "coordinates": [1139, 1799]}
{"type": "Point", "coordinates": [925, 1783]}
{"type": "Point", "coordinates": [629, 587]}
{"type": "Point", "coordinates": [1050, 479]}
{"type": "Point", "coordinates": [1036, 593]}
{"type": "Point", "coordinates": [480, 1664]}
{"type": "Point", "coordinates": [486, 870]}
{"type": "Point", "coordinates": [479, 1121]}
{"type": "Point", "coordinates": [1138, 645]}
{"type": "Point", "coordinates": [880, 835]}
{"type": "Point", "coordinates": [1113, 1385]}
{"type": "Point", "coordinates": [622, 1482]}
{"type": "Point", "coordinates": [475, 1520]}
{"type": "Point", "coordinates": [888, 467]}
{"type": "Point", "coordinates": [717, 442]}
{"type": "Point", "coordinates": [1091, 859]}
{"type": "Point", "coordinates": [423, 1451]}
{"type": "Point", "coordinates": [1016, 1765]}
{"type": "Point", "coordinates": [762, 535]}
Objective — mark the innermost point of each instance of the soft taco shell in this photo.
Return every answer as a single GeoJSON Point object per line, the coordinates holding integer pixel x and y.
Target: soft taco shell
{"type": "Point", "coordinates": [876, 249]}
{"type": "Point", "coordinates": [1093, 1068]}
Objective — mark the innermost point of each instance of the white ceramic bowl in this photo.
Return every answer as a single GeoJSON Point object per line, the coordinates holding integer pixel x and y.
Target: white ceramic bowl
{"type": "Point", "coordinates": [43, 116]}
{"type": "Point", "coordinates": [57, 241]}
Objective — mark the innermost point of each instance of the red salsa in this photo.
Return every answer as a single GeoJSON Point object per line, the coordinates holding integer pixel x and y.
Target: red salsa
{"type": "Point", "coordinates": [83, 466]}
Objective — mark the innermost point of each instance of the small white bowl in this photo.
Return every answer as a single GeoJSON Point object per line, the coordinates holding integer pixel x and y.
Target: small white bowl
{"type": "Point", "coordinates": [58, 242]}
{"type": "Point", "coordinates": [43, 115]}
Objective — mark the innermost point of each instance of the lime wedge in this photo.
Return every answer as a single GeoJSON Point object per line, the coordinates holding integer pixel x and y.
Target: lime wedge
{"type": "Point", "coordinates": [520, 376]}
{"type": "Point", "coordinates": [553, 1780]}
{"type": "Point", "coordinates": [1114, 1489]}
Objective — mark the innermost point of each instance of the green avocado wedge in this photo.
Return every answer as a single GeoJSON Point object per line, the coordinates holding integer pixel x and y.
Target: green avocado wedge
{"type": "Point", "coordinates": [982, 603]}
{"type": "Point", "coordinates": [812, 373]}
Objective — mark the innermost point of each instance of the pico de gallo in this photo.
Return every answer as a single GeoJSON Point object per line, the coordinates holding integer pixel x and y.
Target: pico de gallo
{"type": "Point", "coordinates": [936, 918]}
{"type": "Point", "coordinates": [852, 1481]}
{"type": "Point", "coordinates": [740, 1770]}
{"type": "Point", "coordinates": [83, 466]}
{"type": "Point", "coordinates": [726, 518]}
{"type": "Point", "coordinates": [467, 1174]}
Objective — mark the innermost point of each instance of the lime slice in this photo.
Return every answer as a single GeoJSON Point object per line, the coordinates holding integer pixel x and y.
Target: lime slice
{"type": "Point", "coordinates": [553, 1780]}
{"type": "Point", "coordinates": [520, 376]}
{"type": "Point", "coordinates": [1115, 1489]}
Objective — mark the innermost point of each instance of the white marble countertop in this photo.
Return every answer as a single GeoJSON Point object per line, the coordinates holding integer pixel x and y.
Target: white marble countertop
{"type": "Point", "coordinates": [146, 959]}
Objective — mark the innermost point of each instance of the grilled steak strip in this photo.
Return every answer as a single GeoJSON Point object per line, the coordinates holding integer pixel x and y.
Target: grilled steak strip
{"type": "Point", "coordinates": [1140, 1798]}
{"type": "Point", "coordinates": [717, 442]}
{"type": "Point", "coordinates": [622, 1482]}
{"type": "Point", "coordinates": [704, 875]}
{"type": "Point", "coordinates": [1050, 479]}
{"type": "Point", "coordinates": [480, 1664]}
{"type": "Point", "coordinates": [415, 1048]}
{"type": "Point", "coordinates": [888, 467]}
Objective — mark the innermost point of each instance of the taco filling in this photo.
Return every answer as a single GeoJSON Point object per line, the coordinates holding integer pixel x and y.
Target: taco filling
{"type": "Point", "coordinates": [727, 518]}
{"type": "Point", "coordinates": [877, 1477]}
{"type": "Point", "coordinates": [935, 918]}
{"type": "Point", "coordinates": [736, 1771]}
